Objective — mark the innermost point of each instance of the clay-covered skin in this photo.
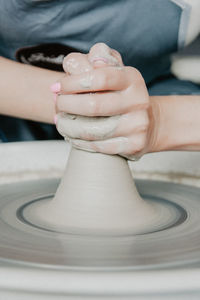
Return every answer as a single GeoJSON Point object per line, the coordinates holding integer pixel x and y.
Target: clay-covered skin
{"type": "Point", "coordinates": [73, 126]}
{"type": "Point", "coordinates": [109, 103]}
{"type": "Point", "coordinates": [146, 124]}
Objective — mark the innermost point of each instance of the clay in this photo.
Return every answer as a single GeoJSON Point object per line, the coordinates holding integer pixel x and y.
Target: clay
{"type": "Point", "coordinates": [97, 195]}
{"type": "Point", "coordinates": [86, 82]}
{"type": "Point", "coordinates": [72, 126]}
{"type": "Point", "coordinates": [76, 65]}
{"type": "Point", "coordinates": [104, 52]}
{"type": "Point", "coordinates": [81, 130]}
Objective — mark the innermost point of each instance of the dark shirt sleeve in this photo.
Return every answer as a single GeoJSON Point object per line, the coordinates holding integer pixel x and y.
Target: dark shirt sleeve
{"type": "Point", "coordinates": [171, 85]}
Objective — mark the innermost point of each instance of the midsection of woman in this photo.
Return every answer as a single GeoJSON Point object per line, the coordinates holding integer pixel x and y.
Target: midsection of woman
{"type": "Point", "coordinates": [146, 33]}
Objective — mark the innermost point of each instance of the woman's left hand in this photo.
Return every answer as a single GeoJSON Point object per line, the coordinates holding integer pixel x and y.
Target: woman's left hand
{"type": "Point", "coordinates": [103, 106]}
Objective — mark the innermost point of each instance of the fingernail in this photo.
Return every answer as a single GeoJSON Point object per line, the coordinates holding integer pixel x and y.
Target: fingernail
{"type": "Point", "coordinates": [56, 87]}
{"type": "Point", "coordinates": [99, 59]}
{"type": "Point", "coordinates": [55, 119]}
{"type": "Point", "coordinates": [54, 97]}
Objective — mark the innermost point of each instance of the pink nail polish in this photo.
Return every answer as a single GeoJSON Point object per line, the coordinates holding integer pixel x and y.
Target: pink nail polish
{"type": "Point", "coordinates": [56, 87]}
{"type": "Point", "coordinates": [54, 97]}
{"type": "Point", "coordinates": [100, 60]}
{"type": "Point", "coordinates": [55, 119]}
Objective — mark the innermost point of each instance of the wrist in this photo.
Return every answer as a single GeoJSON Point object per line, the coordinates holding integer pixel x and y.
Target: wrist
{"type": "Point", "coordinates": [165, 132]}
{"type": "Point", "coordinates": [25, 91]}
{"type": "Point", "coordinates": [154, 112]}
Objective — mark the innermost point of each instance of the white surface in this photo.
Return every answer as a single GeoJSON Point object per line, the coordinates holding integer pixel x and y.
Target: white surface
{"type": "Point", "coordinates": [187, 68]}
{"type": "Point", "coordinates": [101, 285]}
{"type": "Point", "coordinates": [25, 161]}
{"type": "Point", "coordinates": [34, 160]}
{"type": "Point", "coordinates": [176, 166]}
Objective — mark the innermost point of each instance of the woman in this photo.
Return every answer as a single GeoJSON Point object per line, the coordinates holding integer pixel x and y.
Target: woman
{"type": "Point", "coordinates": [146, 33]}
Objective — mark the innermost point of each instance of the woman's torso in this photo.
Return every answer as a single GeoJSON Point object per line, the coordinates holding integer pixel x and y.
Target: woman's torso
{"type": "Point", "coordinates": [42, 32]}
{"type": "Point", "coordinates": [144, 32]}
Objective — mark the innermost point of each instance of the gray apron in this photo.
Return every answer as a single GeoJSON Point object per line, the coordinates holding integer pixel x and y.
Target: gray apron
{"type": "Point", "coordinates": [145, 32]}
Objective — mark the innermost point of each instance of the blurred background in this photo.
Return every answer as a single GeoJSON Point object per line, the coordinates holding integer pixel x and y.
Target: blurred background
{"type": "Point", "coordinates": [186, 63]}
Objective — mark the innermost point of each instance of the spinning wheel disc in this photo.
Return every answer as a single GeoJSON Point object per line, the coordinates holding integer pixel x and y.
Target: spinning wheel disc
{"type": "Point", "coordinates": [177, 244]}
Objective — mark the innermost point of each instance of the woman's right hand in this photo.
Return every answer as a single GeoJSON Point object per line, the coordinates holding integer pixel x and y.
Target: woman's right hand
{"type": "Point", "coordinates": [106, 105]}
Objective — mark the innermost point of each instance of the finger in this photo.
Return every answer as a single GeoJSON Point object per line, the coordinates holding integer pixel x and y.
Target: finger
{"type": "Point", "coordinates": [101, 79]}
{"type": "Point", "coordinates": [100, 104]}
{"type": "Point", "coordinates": [132, 123]}
{"type": "Point", "coordinates": [109, 146]}
{"type": "Point", "coordinates": [76, 63]}
{"type": "Point", "coordinates": [91, 105]}
{"type": "Point", "coordinates": [117, 55]}
{"type": "Point", "coordinates": [87, 128]}
{"type": "Point", "coordinates": [101, 128]}
{"type": "Point", "coordinates": [124, 146]}
{"type": "Point", "coordinates": [101, 54]}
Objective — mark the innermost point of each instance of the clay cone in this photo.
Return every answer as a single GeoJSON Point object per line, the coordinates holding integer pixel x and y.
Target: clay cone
{"type": "Point", "coordinates": [97, 195]}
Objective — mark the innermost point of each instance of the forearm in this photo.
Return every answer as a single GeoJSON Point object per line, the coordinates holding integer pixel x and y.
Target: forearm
{"type": "Point", "coordinates": [177, 123]}
{"type": "Point", "coordinates": [25, 91]}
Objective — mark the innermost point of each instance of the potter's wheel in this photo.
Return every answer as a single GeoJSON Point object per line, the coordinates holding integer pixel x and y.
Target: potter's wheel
{"type": "Point", "coordinates": [156, 265]}
{"type": "Point", "coordinates": [28, 243]}
{"type": "Point", "coordinates": [38, 250]}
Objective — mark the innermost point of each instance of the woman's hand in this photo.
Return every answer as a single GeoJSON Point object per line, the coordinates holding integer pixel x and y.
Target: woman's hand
{"type": "Point", "coordinates": [103, 106]}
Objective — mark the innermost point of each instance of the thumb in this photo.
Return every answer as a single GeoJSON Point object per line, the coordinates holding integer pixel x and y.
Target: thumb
{"type": "Point", "coordinates": [101, 54]}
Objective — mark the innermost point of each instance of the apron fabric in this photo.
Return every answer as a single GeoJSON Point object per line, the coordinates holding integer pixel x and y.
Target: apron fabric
{"type": "Point", "coordinates": [42, 32]}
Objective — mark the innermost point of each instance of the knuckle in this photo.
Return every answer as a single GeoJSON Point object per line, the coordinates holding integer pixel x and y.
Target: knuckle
{"type": "Point", "coordinates": [67, 59]}
{"type": "Point", "coordinates": [142, 124]}
{"type": "Point", "coordinates": [99, 46]}
{"type": "Point", "coordinates": [117, 74]}
{"type": "Point", "coordinates": [70, 55]}
{"type": "Point", "coordinates": [93, 106]}
{"type": "Point", "coordinates": [143, 128]}
{"type": "Point", "coordinates": [145, 121]}
{"type": "Point", "coordinates": [108, 76]}
{"type": "Point", "coordinates": [141, 144]}
{"type": "Point", "coordinates": [137, 144]}
{"type": "Point", "coordinates": [135, 73]}
{"type": "Point", "coordinates": [116, 54]}
{"type": "Point", "coordinates": [146, 105]}
{"type": "Point", "coordinates": [70, 61]}
{"type": "Point", "coordinates": [102, 78]}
